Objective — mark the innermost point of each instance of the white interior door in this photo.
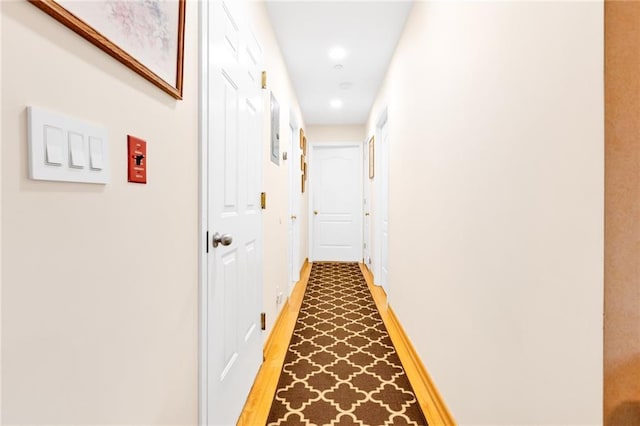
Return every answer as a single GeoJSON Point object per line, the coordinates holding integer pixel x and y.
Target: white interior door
{"type": "Point", "coordinates": [336, 206]}
{"type": "Point", "coordinates": [233, 133]}
{"type": "Point", "coordinates": [294, 206]}
{"type": "Point", "coordinates": [382, 152]}
{"type": "Point", "coordinates": [366, 205]}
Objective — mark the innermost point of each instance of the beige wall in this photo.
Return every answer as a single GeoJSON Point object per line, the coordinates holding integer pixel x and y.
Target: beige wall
{"type": "Point", "coordinates": [276, 177]}
{"type": "Point", "coordinates": [99, 284]}
{"type": "Point", "coordinates": [336, 133]}
{"type": "Point", "coordinates": [622, 210]}
{"type": "Point", "coordinates": [496, 205]}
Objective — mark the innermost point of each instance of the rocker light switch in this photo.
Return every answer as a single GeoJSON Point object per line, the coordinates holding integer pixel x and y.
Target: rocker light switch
{"type": "Point", "coordinates": [76, 151]}
{"type": "Point", "coordinates": [53, 137]}
{"type": "Point", "coordinates": [95, 153]}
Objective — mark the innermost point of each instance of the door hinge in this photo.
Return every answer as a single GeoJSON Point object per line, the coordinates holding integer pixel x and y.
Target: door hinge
{"type": "Point", "coordinates": [263, 321]}
{"type": "Point", "coordinates": [263, 200]}
{"type": "Point", "coordinates": [264, 79]}
{"type": "Point", "coordinates": [206, 243]}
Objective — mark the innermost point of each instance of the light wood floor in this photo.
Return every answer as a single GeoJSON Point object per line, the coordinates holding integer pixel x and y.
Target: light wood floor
{"type": "Point", "coordinates": [256, 409]}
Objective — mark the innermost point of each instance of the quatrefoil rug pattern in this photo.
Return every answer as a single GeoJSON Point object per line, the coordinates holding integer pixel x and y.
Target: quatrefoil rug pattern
{"type": "Point", "coordinates": [341, 367]}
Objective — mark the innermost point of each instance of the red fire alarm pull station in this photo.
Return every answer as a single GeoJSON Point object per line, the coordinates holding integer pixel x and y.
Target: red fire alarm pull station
{"type": "Point", "coordinates": [137, 159]}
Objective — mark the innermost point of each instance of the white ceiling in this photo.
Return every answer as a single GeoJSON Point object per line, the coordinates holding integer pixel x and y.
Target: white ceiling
{"type": "Point", "coordinates": [307, 30]}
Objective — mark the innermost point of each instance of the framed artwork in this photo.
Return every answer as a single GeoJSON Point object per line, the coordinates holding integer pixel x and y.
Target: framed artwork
{"type": "Point", "coordinates": [304, 171]}
{"type": "Point", "coordinates": [304, 145]}
{"type": "Point", "coordinates": [302, 162]}
{"type": "Point", "coordinates": [146, 36]}
{"type": "Point", "coordinates": [275, 130]}
{"type": "Point", "coordinates": [301, 137]}
{"type": "Point", "coordinates": [302, 181]}
{"type": "Point", "coordinates": [372, 150]}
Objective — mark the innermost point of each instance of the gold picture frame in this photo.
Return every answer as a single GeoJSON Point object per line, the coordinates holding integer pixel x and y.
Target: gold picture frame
{"type": "Point", "coordinates": [372, 150]}
{"type": "Point", "coordinates": [302, 162]}
{"type": "Point", "coordinates": [302, 179]}
{"type": "Point", "coordinates": [301, 137]}
{"type": "Point", "coordinates": [304, 145]}
{"type": "Point", "coordinates": [89, 21]}
{"type": "Point", "coordinates": [304, 171]}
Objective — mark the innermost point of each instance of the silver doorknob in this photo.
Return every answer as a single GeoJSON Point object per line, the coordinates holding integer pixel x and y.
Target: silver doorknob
{"type": "Point", "coordinates": [315, 212]}
{"type": "Point", "coordinates": [224, 239]}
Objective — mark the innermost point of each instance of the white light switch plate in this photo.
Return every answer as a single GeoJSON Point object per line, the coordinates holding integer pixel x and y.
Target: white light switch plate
{"type": "Point", "coordinates": [66, 149]}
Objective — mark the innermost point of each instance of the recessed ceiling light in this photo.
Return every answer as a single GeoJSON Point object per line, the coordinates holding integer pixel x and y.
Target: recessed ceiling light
{"type": "Point", "coordinates": [337, 53]}
{"type": "Point", "coordinates": [336, 103]}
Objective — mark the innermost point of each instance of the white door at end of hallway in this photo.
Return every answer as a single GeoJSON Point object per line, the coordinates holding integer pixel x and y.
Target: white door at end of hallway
{"type": "Point", "coordinates": [233, 99]}
{"type": "Point", "coordinates": [336, 202]}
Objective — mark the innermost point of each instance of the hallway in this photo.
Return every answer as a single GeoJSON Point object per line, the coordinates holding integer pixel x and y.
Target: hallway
{"type": "Point", "coordinates": [341, 365]}
{"type": "Point", "coordinates": [340, 357]}
{"type": "Point", "coordinates": [481, 142]}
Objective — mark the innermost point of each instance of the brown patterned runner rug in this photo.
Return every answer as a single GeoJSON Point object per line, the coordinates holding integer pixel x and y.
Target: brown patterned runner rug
{"type": "Point", "coordinates": [341, 367]}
